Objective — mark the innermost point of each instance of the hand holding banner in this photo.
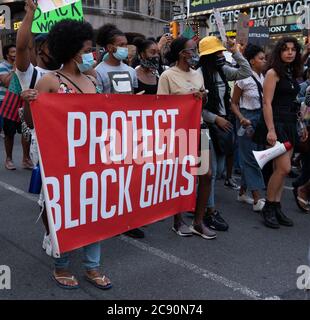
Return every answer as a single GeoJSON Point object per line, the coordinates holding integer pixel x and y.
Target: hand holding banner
{"type": "Point", "coordinates": [114, 162]}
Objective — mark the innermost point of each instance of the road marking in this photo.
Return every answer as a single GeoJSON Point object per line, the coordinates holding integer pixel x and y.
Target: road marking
{"type": "Point", "coordinates": [19, 191]}
{"type": "Point", "coordinates": [235, 286]}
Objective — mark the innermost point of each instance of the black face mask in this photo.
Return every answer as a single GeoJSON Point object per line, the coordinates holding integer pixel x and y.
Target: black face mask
{"type": "Point", "coordinates": [50, 62]}
{"type": "Point", "coordinates": [220, 62]}
{"type": "Point", "coordinates": [150, 63]}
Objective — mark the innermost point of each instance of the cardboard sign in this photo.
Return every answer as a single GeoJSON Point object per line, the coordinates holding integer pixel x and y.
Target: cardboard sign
{"type": "Point", "coordinates": [50, 5]}
{"type": "Point", "coordinates": [220, 25]}
{"type": "Point", "coordinates": [243, 29]}
{"type": "Point", "coordinates": [112, 163]}
{"type": "Point", "coordinates": [43, 22]}
{"type": "Point", "coordinates": [5, 17]}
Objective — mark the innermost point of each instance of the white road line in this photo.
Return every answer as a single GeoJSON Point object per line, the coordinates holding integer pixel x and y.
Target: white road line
{"type": "Point", "coordinates": [19, 191]}
{"type": "Point", "coordinates": [235, 286]}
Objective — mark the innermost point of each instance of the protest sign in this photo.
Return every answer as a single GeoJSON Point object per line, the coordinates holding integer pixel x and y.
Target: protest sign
{"type": "Point", "coordinates": [220, 25]}
{"type": "Point", "coordinates": [243, 29]}
{"type": "Point", "coordinates": [50, 5]}
{"type": "Point", "coordinates": [112, 163]}
{"type": "Point", "coordinates": [43, 22]}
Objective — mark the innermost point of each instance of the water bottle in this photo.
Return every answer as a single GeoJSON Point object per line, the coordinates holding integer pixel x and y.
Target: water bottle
{"type": "Point", "coordinates": [249, 131]}
{"type": "Point", "coordinates": [36, 181]}
{"type": "Point", "coordinates": [241, 131]}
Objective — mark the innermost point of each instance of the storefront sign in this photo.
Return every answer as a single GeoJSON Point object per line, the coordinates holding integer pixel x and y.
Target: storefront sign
{"type": "Point", "coordinates": [264, 12]}
{"type": "Point", "coordinates": [202, 5]}
{"type": "Point", "coordinates": [259, 36]}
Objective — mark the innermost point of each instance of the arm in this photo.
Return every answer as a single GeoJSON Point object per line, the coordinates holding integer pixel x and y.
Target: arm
{"type": "Point", "coordinates": [269, 88]}
{"type": "Point", "coordinates": [24, 37]}
{"type": "Point", "coordinates": [236, 108]}
{"type": "Point", "coordinates": [244, 70]}
{"type": "Point", "coordinates": [5, 77]}
{"type": "Point", "coordinates": [45, 85]}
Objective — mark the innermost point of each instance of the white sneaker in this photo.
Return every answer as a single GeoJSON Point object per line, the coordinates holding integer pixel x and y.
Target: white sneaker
{"type": "Point", "coordinates": [47, 245]}
{"type": "Point", "coordinates": [259, 206]}
{"type": "Point", "coordinates": [246, 199]}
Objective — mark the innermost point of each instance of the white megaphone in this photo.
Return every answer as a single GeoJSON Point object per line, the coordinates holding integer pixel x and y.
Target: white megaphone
{"type": "Point", "coordinates": [262, 157]}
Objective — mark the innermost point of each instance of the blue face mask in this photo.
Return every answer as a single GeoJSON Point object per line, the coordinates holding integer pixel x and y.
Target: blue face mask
{"type": "Point", "coordinates": [87, 62]}
{"type": "Point", "coordinates": [121, 53]}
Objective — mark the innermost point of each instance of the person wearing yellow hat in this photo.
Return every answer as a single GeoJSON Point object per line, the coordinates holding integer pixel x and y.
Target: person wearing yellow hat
{"type": "Point", "coordinates": [216, 73]}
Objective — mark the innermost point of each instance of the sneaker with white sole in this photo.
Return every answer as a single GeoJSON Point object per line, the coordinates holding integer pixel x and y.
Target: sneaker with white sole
{"type": "Point", "coordinates": [259, 206]}
{"type": "Point", "coordinates": [245, 199]}
{"type": "Point", "coordinates": [203, 231]}
{"type": "Point", "coordinates": [182, 230]}
{"type": "Point", "coordinates": [47, 245]}
{"type": "Point", "coordinates": [231, 183]}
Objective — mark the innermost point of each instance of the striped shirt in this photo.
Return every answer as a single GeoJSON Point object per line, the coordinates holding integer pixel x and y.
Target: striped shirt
{"type": "Point", "coordinates": [5, 68]}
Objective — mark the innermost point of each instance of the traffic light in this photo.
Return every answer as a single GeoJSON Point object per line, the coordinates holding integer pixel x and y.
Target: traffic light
{"type": "Point", "coordinates": [174, 29]}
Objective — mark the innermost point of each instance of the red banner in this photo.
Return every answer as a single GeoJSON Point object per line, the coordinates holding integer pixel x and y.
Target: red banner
{"type": "Point", "coordinates": [111, 163]}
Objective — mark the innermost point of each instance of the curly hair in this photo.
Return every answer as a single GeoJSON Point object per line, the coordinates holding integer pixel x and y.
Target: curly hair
{"type": "Point", "coordinates": [251, 51]}
{"type": "Point", "coordinates": [142, 44]}
{"type": "Point", "coordinates": [275, 62]}
{"type": "Point", "coordinates": [66, 39]}
{"type": "Point", "coordinates": [176, 47]}
{"type": "Point", "coordinates": [107, 33]}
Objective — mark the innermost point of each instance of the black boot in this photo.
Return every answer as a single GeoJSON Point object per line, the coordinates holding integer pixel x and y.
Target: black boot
{"type": "Point", "coordinates": [281, 217]}
{"type": "Point", "coordinates": [269, 215]}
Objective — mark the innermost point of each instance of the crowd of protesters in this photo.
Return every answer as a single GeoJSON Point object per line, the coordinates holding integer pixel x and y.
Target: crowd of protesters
{"type": "Point", "coordinates": [270, 102]}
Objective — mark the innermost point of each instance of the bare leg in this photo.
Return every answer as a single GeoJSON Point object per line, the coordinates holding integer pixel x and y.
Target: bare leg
{"type": "Point", "coordinates": [276, 182]}
{"type": "Point", "coordinates": [204, 189]}
{"type": "Point", "coordinates": [8, 143]}
{"type": "Point", "coordinates": [26, 149]}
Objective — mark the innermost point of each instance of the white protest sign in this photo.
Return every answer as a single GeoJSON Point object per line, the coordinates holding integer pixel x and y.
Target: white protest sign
{"type": "Point", "coordinates": [220, 25]}
{"type": "Point", "coordinates": [49, 5]}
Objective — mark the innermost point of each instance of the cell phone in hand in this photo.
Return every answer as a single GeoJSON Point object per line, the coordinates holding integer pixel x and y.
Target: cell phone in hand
{"type": "Point", "coordinates": [166, 30]}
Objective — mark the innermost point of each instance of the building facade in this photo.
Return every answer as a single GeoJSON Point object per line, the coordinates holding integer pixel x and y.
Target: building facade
{"type": "Point", "coordinates": [279, 15]}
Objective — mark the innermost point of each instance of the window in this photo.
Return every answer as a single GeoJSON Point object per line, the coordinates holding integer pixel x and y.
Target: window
{"type": "Point", "coordinates": [132, 5]}
{"type": "Point", "coordinates": [92, 3]}
{"type": "Point", "coordinates": [166, 9]}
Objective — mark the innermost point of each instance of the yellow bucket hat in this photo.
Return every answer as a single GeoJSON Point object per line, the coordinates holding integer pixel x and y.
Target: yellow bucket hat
{"type": "Point", "coordinates": [209, 45]}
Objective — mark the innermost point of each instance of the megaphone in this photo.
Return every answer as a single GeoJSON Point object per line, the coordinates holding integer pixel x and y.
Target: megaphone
{"type": "Point", "coordinates": [262, 157]}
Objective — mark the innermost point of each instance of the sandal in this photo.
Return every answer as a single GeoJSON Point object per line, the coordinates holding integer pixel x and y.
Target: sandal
{"type": "Point", "coordinates": [57, 279]}
{"type": "Point", "coordinates": [94, 282]}
{"type": "Point", "coordinates": [301, 203]}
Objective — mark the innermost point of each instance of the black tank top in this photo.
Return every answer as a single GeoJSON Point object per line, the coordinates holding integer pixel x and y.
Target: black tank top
{"type": "Point", "coordinates": [148, 88]}
{"type": "Point", "coordinates": [286, 92]}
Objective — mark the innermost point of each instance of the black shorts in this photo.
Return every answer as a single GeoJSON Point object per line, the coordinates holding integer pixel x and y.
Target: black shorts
{"type": "Point", "coordinates": [10, 127]}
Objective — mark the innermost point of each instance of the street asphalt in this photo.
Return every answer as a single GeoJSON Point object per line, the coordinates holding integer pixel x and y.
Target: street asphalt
{"type": "Point", "coordinates": [247, 262]}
